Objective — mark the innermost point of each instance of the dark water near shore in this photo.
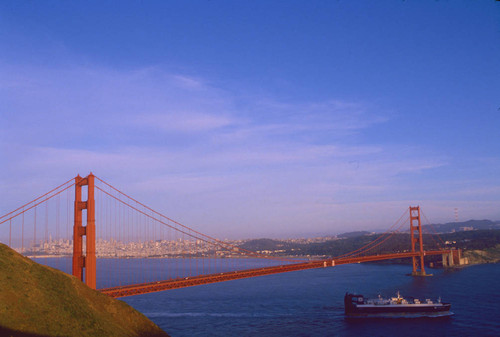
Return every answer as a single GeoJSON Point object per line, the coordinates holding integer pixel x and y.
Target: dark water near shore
{"type": "Point", "coordinates": [310, 303]}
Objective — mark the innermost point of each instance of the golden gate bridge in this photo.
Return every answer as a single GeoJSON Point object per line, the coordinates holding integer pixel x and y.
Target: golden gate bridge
{"type": "Point", "coordinates": [73, 229]}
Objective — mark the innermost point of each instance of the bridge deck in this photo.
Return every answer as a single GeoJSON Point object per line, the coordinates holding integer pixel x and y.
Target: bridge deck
{"type": "Point", "coordinates": [144, 288]}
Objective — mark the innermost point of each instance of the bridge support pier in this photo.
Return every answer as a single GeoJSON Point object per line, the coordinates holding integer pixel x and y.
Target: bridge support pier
{"type": "Point", "coordinates": [84, 265]}
{"type": "Point", "coordinates": [416, 242]}
{"type": "Point", "coordinates": [454, 258]}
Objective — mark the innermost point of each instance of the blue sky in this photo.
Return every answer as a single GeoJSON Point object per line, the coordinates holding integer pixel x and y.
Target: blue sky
{"type": "Point", "coordinates": [257, 118]}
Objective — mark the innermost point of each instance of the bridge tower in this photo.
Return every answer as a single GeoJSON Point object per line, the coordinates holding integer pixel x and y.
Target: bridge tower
{"type": "Point", "coordinates": [84, 265]}
{"type": "Point", "coordinates": [417, 245]}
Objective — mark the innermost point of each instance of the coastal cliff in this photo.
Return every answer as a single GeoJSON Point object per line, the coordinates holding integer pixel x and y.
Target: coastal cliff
{"type": "Point", "coordinates": [36, 300]}
{"type": "Point", "coordinates": [488, 255]}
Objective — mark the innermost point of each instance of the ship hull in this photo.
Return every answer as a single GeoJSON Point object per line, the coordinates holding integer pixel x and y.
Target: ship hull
{"type": "Point", "coordinates": [358, 309]}
{"type": "Point", "coordinates": [384, 315]}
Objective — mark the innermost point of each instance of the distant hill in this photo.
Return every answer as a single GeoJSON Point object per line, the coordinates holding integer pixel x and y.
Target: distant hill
{"type": "Point", "coordinates": [451, 227]}
{"type": "Point", "coordinates": [352, 234]}
{"type": "Point", "coordinates": [36, 300]}
{"type": "Point", "coordinates": [480, 239]}
{"type": "Point", "coordinates": [263, 244]}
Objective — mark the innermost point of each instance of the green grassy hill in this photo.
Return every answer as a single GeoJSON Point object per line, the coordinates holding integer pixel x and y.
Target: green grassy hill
{"type": "Point", "coordinates": [36, 300]}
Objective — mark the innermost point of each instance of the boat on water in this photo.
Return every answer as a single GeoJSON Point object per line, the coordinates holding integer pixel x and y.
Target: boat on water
{"type": "Point", "coordinates": [357, 306]}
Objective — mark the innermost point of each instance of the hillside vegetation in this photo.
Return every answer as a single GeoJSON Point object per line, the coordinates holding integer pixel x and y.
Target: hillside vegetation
{"type": "Point", "coordinates": [489, 255]}
{"type": "Point", "coordinates": [466, 240]}
{"type": "Point", "coordinates": [36, 300]}
{"type": "Point", "coordinates": [461, 226]}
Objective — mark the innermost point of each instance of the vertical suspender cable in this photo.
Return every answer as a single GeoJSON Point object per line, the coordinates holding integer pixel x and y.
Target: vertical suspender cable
{"type": "Point", "coordinates": [183, 256]}
{"type": "Point", "coordinates": [196, 271]}
{"type": "Point", "coordinates": [34, 229]}
{"type": "Point", "coordinates": [164, 266]}
{"type": "Point", "coordinates": [58, 200]}
{"type": "Point", "coordinates": [68, 265]}
{"type": "Point", "coordinates": [170, 255]}
{"type": "Point", "coordinates": [46, 225]}
{"type": "Point", "coordinates": [22, 234]}
{"type": "Point", "coordinates": [115, 235]}
{"type": "Point", "coordinates": [190, 255]}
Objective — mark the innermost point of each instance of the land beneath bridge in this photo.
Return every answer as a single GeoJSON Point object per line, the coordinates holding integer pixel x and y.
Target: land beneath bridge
{"type": "Point", "coordinates": [480, 246]}
{"type": "Point", "coordinates": [477, 239]}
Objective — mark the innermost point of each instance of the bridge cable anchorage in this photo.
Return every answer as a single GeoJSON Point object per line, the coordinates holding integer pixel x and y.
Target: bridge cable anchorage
{"type": "Point", "coordinates": [389, 234]}
{"type": "Point", "coordinates": [200, 236]}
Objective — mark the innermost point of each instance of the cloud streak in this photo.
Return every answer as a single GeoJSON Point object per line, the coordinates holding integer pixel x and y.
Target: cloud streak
{"type": "Point", "coordinates": [187, 145]}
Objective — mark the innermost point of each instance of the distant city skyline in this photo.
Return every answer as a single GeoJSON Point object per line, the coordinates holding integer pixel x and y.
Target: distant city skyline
{"type": "Point", "coordinates": [257, 119]}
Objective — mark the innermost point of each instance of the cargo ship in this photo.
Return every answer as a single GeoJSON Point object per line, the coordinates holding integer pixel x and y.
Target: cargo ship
{"type": "Point", "coordinates": [357, 306]}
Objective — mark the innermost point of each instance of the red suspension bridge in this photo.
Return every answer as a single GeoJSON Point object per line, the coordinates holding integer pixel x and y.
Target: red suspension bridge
{"type": "Point", "coordinates": [86, 220]}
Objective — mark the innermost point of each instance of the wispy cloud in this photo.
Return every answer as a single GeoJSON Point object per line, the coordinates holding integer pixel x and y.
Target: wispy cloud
{"type": "Point", "coordinates": [188, 145]}
{"type": "Point", "coordinates": [188, 82]}
{"type": "Point", "coordinates": [183, 121]}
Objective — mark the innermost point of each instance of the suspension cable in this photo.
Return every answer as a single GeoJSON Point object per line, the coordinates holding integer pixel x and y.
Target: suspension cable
{"type": "Point", "coordinates": [38, 203]}
{"type": "Point", "coordinates": [365, 247]}
{"type": "Point", "coordinates": [25, 205]}
{"type": "Point", "coordinates": [433, 229]}
{"type": "Point", "coordinates": [185, 230]}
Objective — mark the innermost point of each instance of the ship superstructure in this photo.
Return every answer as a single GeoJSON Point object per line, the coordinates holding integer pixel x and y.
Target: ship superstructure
{"type": "Point", "coordinates": [359, 306]}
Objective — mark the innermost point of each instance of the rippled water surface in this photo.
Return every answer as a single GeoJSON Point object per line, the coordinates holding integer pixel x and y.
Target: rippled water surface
{"type": "Point", "coordinates": [310, 303]}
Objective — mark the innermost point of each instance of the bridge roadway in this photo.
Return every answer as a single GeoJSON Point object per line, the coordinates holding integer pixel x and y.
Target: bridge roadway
{"type": "Point", "coordinates": [144, 288]}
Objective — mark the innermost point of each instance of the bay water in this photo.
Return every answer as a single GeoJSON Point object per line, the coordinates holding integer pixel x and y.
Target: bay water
{"type": "Point", "coordinates": [310, 303]}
